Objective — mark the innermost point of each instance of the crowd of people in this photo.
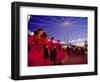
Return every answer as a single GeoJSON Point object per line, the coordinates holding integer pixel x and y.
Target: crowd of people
{"type": "Point", "coordinates": [77, 50]}
{"type": "Point", "coordinates": [42, 51]}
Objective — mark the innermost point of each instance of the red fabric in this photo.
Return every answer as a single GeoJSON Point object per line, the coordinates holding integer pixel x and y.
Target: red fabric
{"type": "Point", "coordinates": [60, 54]}
{"type": "Point", "coordinates": [51, 44]}
{"type": "Point", "coordinates": [47, 62]}
{"type": "Point", "coordinates": [30, 40]}
{"type": "Point", "coordinates": [35, 57]}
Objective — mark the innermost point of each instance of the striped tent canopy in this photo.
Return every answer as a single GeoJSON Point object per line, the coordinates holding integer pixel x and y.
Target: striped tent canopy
{"type": "Point", "coordinates": [67, 29]}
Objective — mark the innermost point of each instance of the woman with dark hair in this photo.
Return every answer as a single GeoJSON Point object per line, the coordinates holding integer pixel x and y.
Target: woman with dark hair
{"type": "Point", "coordinates": [52, 51]}
{"type": "Point", "coordinates": [46, 49]}
{"type": "Point", "coordinates": [53, 55]}
{"type": "Point", "coordinates": [36, 57]}
{"type": "Point", "coordinates": [45, 38]}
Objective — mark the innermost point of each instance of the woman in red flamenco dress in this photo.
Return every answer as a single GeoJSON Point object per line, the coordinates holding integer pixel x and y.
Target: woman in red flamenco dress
{"type": "Point", "coordinates": [59, 53]}
{"type": "Point", "coordinates": [35, 56]}
{"type": "Point", "coordinates": [46, 50]}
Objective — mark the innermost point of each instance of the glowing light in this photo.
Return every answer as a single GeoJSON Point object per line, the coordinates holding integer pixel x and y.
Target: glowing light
{"type": "Point", "coordinates": [66, 23]}
{"type": "Point", "coordinates": [79, 39]}
{"type": "Point", "coordinates": [72, 40]}
{"type": "Point", "coordinates": [62, 42]}
{"type": "Point", "coordinates": [30, 33]}
{"type": "Point", "coordinates": [54, 41]}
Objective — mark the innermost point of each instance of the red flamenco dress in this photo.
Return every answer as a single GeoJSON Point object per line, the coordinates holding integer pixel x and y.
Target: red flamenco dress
{"type": "Point", "coordinates": [30, 42]}
{"type": "Point", "coordinates": [59, 53]}
{"type": "Point", "coordinates": [46, 52]}
{"type": "Point", "coordinates": [35, 56]}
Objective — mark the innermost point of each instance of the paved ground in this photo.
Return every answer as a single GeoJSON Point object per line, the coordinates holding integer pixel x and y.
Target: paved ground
{"type": "Point", "coordinates": [75, 59]}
